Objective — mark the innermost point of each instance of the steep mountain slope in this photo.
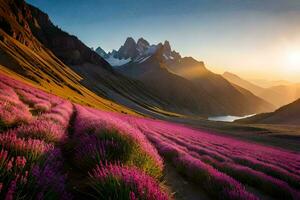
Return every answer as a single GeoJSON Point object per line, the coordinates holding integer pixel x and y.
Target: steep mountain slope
{"type": "Point", "coordinates": [101, 52]}
{"type": "Point", "coordinates": [25, 35]}
{"type": "Point", "coordinates": [243, 83]}
{"type": "Point", "coordinates": [179, 92]}
{"type": "Point", "coordinates": [185, 82]}
{"type": "Point", "coordinates": [289, 114]}
{"type": "Point", "coordinates": [225, 93]}
{"type": "Point", "coordinates": [66, 47]}
{"type": "Point", "coordinates": [282, 94]}
{"type": "Point", "coordinates": [277, 95]}
{"type": "Point", "coordinates": [23, 56]}
{"type": "Point", "coordinates": [269, 83]}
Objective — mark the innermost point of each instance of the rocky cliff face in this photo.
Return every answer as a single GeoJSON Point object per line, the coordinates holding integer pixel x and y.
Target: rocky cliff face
{"type": "Point", "coordinates": [14, 21]}
{"type": "Point", "coordinates": [128, 50]}
{"type": "Point", "coordinates": [142, 45]}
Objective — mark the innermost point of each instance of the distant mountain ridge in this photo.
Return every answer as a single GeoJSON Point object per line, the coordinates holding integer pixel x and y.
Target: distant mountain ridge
{"type": "Point", "coordinates": [289, 114]}
{"type": "Point", "coordinates": [183, 81]}
{"type": "Point", "coordinates": [257, 90]}
{"type": "Point", "coordinates": [269, 83]}
{"type": "Point", "coordinates": [279, 95]}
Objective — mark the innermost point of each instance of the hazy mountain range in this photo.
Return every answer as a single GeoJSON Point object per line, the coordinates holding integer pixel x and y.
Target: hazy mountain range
{"type": "Point", "coordinates": [278, 95]}
{"type": "Point", "coordinates": [288, 114]}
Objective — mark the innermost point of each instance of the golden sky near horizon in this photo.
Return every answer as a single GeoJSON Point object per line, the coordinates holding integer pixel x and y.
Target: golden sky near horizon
{"type": "Point", "coordinates": [279, 59]}
{"type": "Point", "coordinates": [272, 64]}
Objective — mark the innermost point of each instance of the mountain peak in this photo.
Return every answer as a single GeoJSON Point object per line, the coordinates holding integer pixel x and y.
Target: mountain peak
{"type": "Point", "coordinates": [140, 51]}
{"type": "Point", "coordinates": [101, 52]}
{"type": "Point", "coordinates": [128, 50]}
{"type": "Point", "coordinates": [130, 41]}
{"type": "Point", "coordinates": [167, 47]}
{"type": "Point", "coordinates": [142, 45]}
{"type": "Point", "coordinates": [143, 41]}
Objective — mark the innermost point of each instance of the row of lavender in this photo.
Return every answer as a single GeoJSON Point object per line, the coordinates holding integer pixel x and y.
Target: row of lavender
{"type": "Point", "coordinates": [225, 167]}
{"type": "Point", "coordinates": [119, 161]}
{"type": "Point", "coordinates": [32, 125]}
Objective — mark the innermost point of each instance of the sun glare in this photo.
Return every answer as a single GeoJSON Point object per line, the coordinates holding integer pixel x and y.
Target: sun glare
{"type": "Point", "coordinates": [293, 59]}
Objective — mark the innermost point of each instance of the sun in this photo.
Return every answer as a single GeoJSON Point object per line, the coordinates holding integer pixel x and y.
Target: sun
{"type": "Point", "coordinates": [293, 61]}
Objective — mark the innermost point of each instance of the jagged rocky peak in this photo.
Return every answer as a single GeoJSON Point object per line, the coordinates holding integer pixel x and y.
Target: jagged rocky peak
{"type": "Point", "coordinates": [167, 47]}
{"type": "Point", "coordinates": [15, 18]}
{"type": "Point", "coordinates": [142, 45]}
{"type": "Point", "coordinates": [130, 42]}
{"type": "Point", "coordinates": [140, 51]}
{"type": "Point", "coordinates": [128, 50]}
{"type": "Point", "coordinates": [101, 52]}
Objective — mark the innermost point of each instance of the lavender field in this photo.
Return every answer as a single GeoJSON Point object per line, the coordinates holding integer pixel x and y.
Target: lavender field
{"type": "Point", "coordinates": [53, 149]}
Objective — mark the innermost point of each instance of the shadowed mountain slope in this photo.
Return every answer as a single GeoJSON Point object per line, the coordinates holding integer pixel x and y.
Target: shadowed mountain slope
{"type": "Point", "coordinates": [289, 114]}
{"type": "Point", "coordinates": [277, 95]}
{"type": "Point", "coordinates": [186, 81]}
{"type": "Point", "coordinates": [257, 90]}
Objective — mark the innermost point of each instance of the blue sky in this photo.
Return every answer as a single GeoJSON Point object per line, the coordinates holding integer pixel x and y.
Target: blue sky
{"type": "Point", "coordinates": [249, 37]}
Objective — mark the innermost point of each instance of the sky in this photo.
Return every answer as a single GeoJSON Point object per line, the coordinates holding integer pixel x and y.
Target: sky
{"type": "Point", "coordinates": [256, 39]}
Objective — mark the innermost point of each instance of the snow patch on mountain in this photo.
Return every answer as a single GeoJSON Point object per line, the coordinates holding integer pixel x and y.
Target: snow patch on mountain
{"type": "Point", "coordinates": [151, 50]}
{"type": "Point", "coordinates": [144, 59]}
{"type": "Point", "coordinates": [115, 62]}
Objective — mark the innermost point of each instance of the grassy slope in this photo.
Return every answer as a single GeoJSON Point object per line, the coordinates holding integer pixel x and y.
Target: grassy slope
{"type": "Point", "coordinates": [45, 71]}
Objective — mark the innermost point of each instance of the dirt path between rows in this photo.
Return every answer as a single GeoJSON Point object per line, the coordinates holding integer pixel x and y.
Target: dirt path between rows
{"type": "Point", "coordinates": [182, 189]}
{"type": "Point", "coordinates": [76, 178]}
